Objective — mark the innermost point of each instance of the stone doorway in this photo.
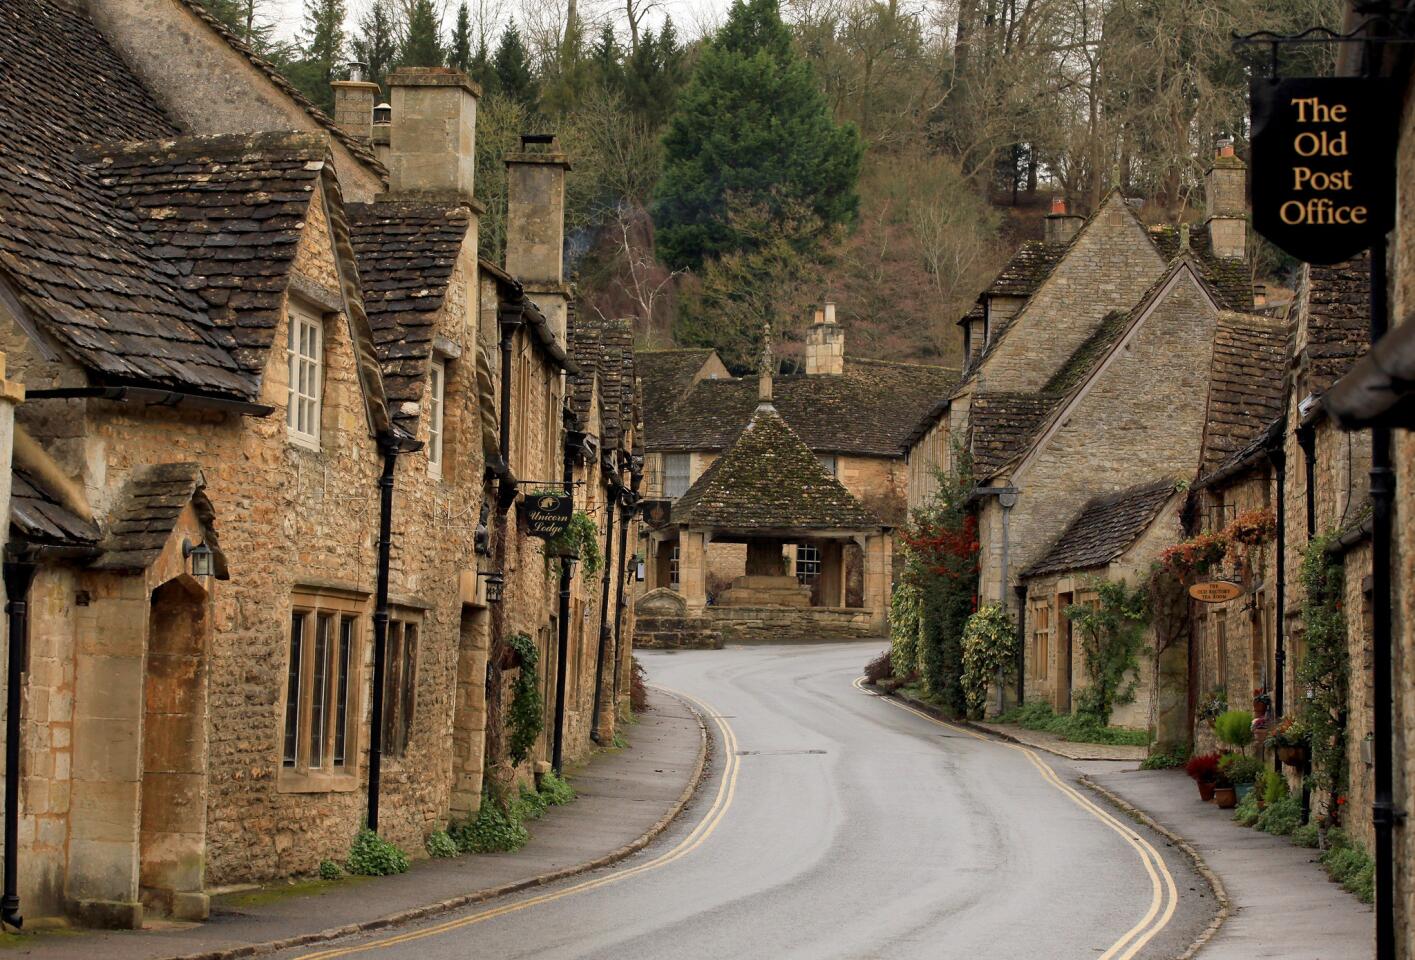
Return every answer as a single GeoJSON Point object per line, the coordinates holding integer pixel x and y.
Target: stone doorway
{"type": "Point", "coordinates": [172, 839]}
{"type": "Point", "coordinates": [469, 713]}
{"type": "Point", "coordinates": [1064, 675]}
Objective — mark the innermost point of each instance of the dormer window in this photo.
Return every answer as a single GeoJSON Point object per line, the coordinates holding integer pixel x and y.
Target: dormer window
{"type": "Point", "coordinates": [305, 354]}
{"type": "Point", "coordinates": [436, 400]}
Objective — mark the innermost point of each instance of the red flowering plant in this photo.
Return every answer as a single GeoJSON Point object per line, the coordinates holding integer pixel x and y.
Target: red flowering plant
{"type": "Point", "coordinates": [944, 546]}
{"type": "Point", "coordinates": [1195, 556]}
{"type": "Point", "coordinates": [1253, 528]}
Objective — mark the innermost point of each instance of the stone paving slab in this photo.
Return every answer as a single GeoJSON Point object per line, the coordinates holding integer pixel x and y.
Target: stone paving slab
{"type": "Point", "coordinates": [624, 797]}
{"type": "Point", "coordinates": [1281, 903]}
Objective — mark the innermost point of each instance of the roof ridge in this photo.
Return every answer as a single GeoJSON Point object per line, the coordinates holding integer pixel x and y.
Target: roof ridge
{"type": "Point", "coordinates": [296, 141]}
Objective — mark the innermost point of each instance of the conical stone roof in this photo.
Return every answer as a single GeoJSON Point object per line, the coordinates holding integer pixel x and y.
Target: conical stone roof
{"type": "Point", "coordinates": [770, 480]}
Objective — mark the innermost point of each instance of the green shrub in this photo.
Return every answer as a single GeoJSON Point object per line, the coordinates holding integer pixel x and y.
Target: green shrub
{"type": "Point", "coordinates": [1350, 865]}
{"type": "Point", "coordinates": [1247, 813]}
{"type": "Point", "coordinates": [989, 653]}
{"type": "Point", "coordinates": [439, 844]}
{"type": "Point", "coordinates": [330, 870]}
{"type": "Point", "coordinates": [493, 831]}
{"type": "Point", "coordinates": [556, 789]}
{"type": "Point", "coordinates": [1235, 728]}
{"type": "Point", "coordinates": [1274, 787]}
{"type": "Point", "coordinates": [1281, 816]}
{"type": "Point", "coordinates": [527, 713]}
{"type": "Point", "coordinates": [373, 856]}
{"type": "Point", "coordinates": [1074, 727]}
{"type": "Point", "coordinates": [1239, 770]}
{"type": "Point", "coordinates": [528, 806]}
{"type": "Point", "coordinates": [1165, 759]}
{"type": "Point", "coordinates": [1306, 835]}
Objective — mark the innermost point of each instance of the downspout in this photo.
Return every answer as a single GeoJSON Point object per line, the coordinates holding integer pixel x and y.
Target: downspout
{"type": "Point", "coordinates": [380, 627]}
{"type": "Point", "coordinates": [18, 577]}
{"type": "Point", "coordinates": [510, 322]}
{"type": "Point", "coordinates": [603, 623]}
{"type": "Point", "coordinates": [1278, 458]}
{"type": "Point", "coordinates": [626, 513]}
{"type": "Point", "coordinates": [1307, 439]}
{"type": "Point", "coordinates": [562, 639]}
{"type": "Point", "coordinates": [1382, 493]}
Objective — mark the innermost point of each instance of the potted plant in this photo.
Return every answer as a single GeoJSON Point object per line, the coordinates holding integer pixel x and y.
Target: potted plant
{"type": "Point", "coordinates": [1236, 776]}
{"type": "Point", "coordinates": [1235, 729]}
{"type": "Point", "coordinates": [1213, 706]}
{"type": "Point", "coordinates": [1261, 704]}
{"type": "Point", "coordinates": [1292, 741]}
{"type": "Point", "coordinates": [1203, 770]}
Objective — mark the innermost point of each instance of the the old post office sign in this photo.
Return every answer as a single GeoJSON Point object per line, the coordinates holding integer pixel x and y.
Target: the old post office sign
{"type": "Point", "coordinates": [548, 514]}
{"type": "Point", "coordinates": [1215, 591]}
{"type": "Point", "coordinates": [1324, 164]}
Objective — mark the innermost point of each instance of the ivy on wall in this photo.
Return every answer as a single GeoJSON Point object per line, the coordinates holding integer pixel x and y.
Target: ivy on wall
{"type": "Point", "coordinates": [1325, 669]}
{"type": "Point", "coordinates": [989, 653]}
{"type": "Point", "coordinates": [1111, 633]}
{"type": "Point", "coordinates": [527, 712]}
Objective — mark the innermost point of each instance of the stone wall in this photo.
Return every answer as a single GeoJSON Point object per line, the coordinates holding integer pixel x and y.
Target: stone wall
{"type": "Point", "coordinates": [792, 624]}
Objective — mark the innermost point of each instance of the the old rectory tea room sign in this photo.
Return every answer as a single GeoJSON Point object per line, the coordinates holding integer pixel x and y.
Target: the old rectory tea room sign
{"type": "Point", "coordinates": [1323, 164]}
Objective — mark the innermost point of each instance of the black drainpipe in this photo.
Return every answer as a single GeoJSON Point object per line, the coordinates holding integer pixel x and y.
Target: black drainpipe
{"type": "Point", "coordinates": [557, 743]}
{"type": "Point", "coordinates": [510, 321]}
{"type": "Point", "coordinates": [626, 513]}
{"type": "Point", "coordinates": [1278, 458]}
{"type": "Point", "coordinates": [1307, 438]}
{"type": "Point", "coordinates": [380, 627]}
{"type": "Point", "coordinates": [1382, 493]}
{"type": "Point", "coordinates": [604, 615]}
{"type": "Point", "coordinates": [18, 577]}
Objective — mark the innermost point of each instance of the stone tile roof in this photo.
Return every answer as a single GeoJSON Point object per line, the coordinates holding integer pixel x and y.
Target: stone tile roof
{"type": "Point", "coordinates": [668, 376]}
{"type": "Point", "coordinates": [141, 523]}
{"type": "Point", "coordinates": [1246, 384]}
{"type": "Point", "coordinates": [585, 350]}
{"type": "Point", "coordinates": [1029, 266]}
{"type": "Point", "coordinates": [406, 253]}
{"type": "Point", "coordinates": [1335, 302]}
{"type": "Point", "coordinates": [1001, 425]}
{"type": "Point", "coordinates": [78, 261]}
{"type": "Point", "coordinates": [38, 516]}
{"type": "Point", "coordinates": [869, 409]}
{"type": "Point", "coordinates": [1230, 280]}
{"type": "Point", "coordinates": [770, 480]}
{"type": "Point", "coordinates": [1248, 456]}
{"type": "Point", "coordinates": [1105, 528]}
{"type": "Point", "coordinates": [359, 148]}
{"type": "Point", "coordinates": [226, 213]}
{"type": "Point", "coordinates": [603, 350]}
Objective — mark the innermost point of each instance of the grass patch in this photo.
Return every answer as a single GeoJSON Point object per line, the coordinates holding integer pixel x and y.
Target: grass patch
{"type": "Point", "coordinates": [1073, 727]}
{"type": "Point", "coordinates": [282, 891]}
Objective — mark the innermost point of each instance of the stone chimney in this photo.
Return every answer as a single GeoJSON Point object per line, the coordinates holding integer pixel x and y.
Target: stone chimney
{"type": "Point", "coordinates": [1226, 204]}
{"type": "Point", "coordinates": [1059, 227]}
{"type": "Point", "coordinates": [535, 224]}
{"type": "Point", "coordinates": [382, 129]}
{"type": "Point", "coordinates": [825, 344]}
{"type": "Point", "coordinates": [766, 369]}
{"type": "Point", "coordinates": [353, 103]}
{"type": "Point", "coordinates": [432, 138]}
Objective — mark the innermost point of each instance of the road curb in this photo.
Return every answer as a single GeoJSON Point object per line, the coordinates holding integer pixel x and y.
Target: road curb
{"type": "Point", "coordinates": [1214, 881]}
{"type": "Point", "coordinates": [418, 913]}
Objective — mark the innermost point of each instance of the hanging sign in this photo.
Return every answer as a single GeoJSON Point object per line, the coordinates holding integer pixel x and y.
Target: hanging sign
{"type": "Point", "coordinates": [1324, 164]}
{"type": "Point", "coordinates": [1215, 591]}
{"type": "Point", "coordinates": [548, 514]}
{"type": "Point", "coordinates": [657, 512]}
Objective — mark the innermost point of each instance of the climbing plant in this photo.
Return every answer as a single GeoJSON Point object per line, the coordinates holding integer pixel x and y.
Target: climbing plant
{"type": "Point", "coordinates": [989, 652]}
{"type": "Point", "coordinates": [580, 538]}
{"type": "Point", "coordinates": [527, 711]}
{"type": "Point", "coordinates": [1111, 632]}
{"type": "Point", "coordinates": [1324, 668]}
{"type": "Point", "coordinates": [904, 629]}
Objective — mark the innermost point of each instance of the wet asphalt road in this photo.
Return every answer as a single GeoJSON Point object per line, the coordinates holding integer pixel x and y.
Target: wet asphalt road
{"type": "Point", "coordinates": [838, 825]}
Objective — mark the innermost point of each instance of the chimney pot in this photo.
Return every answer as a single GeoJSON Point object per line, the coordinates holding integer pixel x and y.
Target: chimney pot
{"type": "Point", "coordinates": [354, 103]}
{"type": "Point", "coordinates": [825, 344]}
{"type": "Point", "coordinates": [1058, 205]}
{"type": "Point", "coordinates": [829, 311]}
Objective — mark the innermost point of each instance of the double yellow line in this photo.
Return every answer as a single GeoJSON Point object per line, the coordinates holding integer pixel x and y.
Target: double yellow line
{"type": "Point", "coordinates": [726, 790]}
{"type": "Point", "coordinates": [1164, 898]}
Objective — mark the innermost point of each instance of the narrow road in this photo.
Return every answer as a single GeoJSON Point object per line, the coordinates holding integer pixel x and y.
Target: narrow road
{"type": "Point", "coordinates": [838, 824]}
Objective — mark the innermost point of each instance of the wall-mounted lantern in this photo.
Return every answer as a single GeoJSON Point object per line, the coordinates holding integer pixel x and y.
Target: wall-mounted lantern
{"type": "Point", "coordinates": [202, 557]}
{"type": "Point", "coordinates": [637, 565]}
{"type": "Point", "coordinates": [494, 582]}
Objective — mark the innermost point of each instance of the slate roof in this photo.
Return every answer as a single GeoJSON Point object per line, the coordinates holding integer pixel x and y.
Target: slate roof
{"type": "Point", "coordinates": [1105, 528]}
{"type": "Point", "coordinates": [40, 517]}
{"type": "Point", "coordinates": [770, 480]}
{"type": "Point", "coordinates": [141, 523]}
{"type": "Point", "coordinates": [1246, 384]}
{"type": "Point", "coordinates": [1336, 303]}
{"type": "Point", "coordinates": [869, 409]}
{"type": "Point", "coordinates": [604, 353]}
{"type": "Point", "coordinates": [1000, 425]}
{"type": "Point", "coordinates": [668, 374]}
{"type": "Point", "coordinates": [585, 349]}
{"type": "Point", "coordinates": [1230, 280]}
{"type": "Point", "coordinates": [406, 253]}
{"type": "Point", "coordinates": [1029, 266]}
{"type": "Point", "coordinates": [1247, 456]}
{"type": "Point", "coordinates": [359, 148]}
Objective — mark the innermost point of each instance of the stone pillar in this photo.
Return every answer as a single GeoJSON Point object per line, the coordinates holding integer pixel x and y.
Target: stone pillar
{"type": "Point", "coordinates": [432, 139]}
{"type": "Point", "coordinates": [1226, 205]}
{"type": "Point", "coordinates": [825, 344]}
{"type": "Point", "coordinates": [878, 560]}
{"type": "Point", "coordinates": [353, 107]}
{"type": "Point", "coordinates": [692, 569]}
{"type": "Point", "coordinates": [535, 225]}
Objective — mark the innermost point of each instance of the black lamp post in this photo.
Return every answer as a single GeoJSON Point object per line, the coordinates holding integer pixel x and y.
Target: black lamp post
{"type": "Point", "coordinates": [494, 582]}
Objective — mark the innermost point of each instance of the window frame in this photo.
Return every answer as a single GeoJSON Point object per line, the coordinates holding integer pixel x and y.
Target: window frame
{"type": "Point", "coordinates": [400, 681]}
{"type": "Point", "coordinates": [831, 463]}
{"type": "Point", "coordinates": [436, 416]}
{"type": "Point", "coordinates": [669, 476]}
{"type": "Point", "coordinates": [339, 674]}
{"type": "Point", "coordinates": [303, 369]}
{"type": "Point", "coordinates": [1041, 639]}
{"type": "Point", "coordinates": [808, 567]}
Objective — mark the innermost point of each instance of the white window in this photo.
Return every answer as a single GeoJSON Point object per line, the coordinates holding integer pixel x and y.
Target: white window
{"type": "Point", "coordinates": [305, 351]}
{"type": "Point", "coordinates": [828, 461]}
{"type": "Point", "coordinates": [436, 394]}
{"type": "Point", "coordinates": [808, 562]}
{"type": "Point", "coordinates": [677, 474]}
{"type": "Point", "coordinates": [673, 568]}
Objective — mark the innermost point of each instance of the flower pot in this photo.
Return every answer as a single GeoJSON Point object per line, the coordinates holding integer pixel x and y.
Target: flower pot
{"type": "Point", "coordinates": [1293, 756]}
{"type": "Point", "coordinates": [1242, 790]}
{"type": "Point", "coordinates": [1260, 709]}
{"type": "Point", "coordinates": [1225, 797]}
{"type": "Point", "coordinates": [1206, 790]}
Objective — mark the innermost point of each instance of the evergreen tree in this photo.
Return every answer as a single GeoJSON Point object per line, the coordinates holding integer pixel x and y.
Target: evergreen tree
{"type": "Point", "coordinates": [321, 51]}
{"type": "Point", "coordinates": [482, 71]}
{"type": "Point", "coordinates": [422, 42]}
{"type": "Point", "coordinates": [377, 41]}
{"type": "Point", "coordinates": [243, 18]}
{"type": "Point", "coordinates": [513, 67]}
{"type": "Point", "coordinates": [459, 53]}
{"type": "Point", "coordinates": [751, 125]}
{"type": "Point", "coordinates": [604, 59]}
{"type": "Point", "coordinates": [653, 75]}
